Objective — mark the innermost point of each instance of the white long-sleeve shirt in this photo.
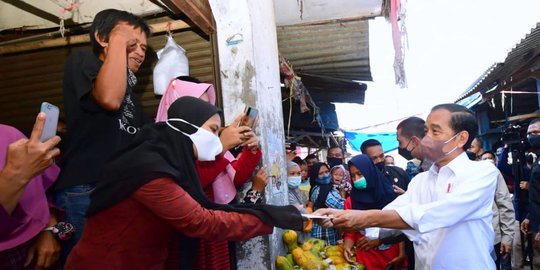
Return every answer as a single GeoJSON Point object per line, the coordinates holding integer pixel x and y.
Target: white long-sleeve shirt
{"type": "Point", "coordinates": [450, 212]}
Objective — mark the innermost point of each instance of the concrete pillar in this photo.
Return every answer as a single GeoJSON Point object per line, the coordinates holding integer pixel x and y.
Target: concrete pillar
{"type": "Point", "coordinates": [538, 91]}
{"type": "Point", "coordinates": [249, 67]}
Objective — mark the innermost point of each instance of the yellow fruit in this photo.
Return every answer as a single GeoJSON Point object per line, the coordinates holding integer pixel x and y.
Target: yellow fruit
{"type": "Point", "coordinates": [316, 261]}
{"type": "Point", "coordinates": [337, 260]}
{"type": "Point", "coordinates": [333, 253]}
{"type": "Point", "coordinates": [291, 239]}
{"type": "Point", "coordinates": [307, 260]}
{"type": "Point", "coordinates": [299, 257]}
{"type": "Point", "coordinates": [283, 264]}
{"type": "Point", "coordinates": [343, 266]}
{"type": "Point", "coordinates": [290, 258]}
{"type": "Point", "coordinates": [306, 246]}
{"type": "Point", "coordinates": [334, 248]}
{"type": "Point", "coordinates": [318, 246]}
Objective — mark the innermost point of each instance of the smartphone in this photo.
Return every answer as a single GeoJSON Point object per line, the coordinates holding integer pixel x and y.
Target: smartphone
{"type": "Point", "coordinates": [51, 120]}
{"type": "Point", "coordinates": [250, 115]}
{"type": "Point", "coordinates": [290, 146]}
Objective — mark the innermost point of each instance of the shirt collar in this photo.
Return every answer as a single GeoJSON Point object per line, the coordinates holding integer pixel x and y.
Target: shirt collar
{"type": "Point", "coordinates": [456, 165]}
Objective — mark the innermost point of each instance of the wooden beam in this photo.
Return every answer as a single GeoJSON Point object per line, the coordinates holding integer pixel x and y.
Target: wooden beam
{"type": "Point", "coordinates": [198, 11]}
{"type": "Point", "coordinates": [78, 39]}
{"type": "Point", "coordinates": [518, 117]}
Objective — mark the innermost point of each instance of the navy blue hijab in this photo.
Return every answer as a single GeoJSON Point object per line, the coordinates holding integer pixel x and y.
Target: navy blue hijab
{"type": "Point", "coordinates": [378, 192]}
{"type": "Point", "coordinates": [324, 189]}
{"type": "Point", "coordinates": [314, 174]}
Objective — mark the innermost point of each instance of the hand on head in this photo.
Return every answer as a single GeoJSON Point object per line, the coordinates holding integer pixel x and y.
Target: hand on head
{"type": "Point", "coordinates": [123, 33]}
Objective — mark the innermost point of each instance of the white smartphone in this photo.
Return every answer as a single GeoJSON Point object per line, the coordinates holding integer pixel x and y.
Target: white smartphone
{"type": "Point", "coordinates": [51, 120]}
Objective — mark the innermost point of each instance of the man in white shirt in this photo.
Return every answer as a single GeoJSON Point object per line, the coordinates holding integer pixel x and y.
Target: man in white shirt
{"type": "Point", "coordinates": [447, 211]}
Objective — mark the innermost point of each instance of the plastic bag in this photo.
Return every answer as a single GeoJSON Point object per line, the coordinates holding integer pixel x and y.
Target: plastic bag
{"type": "Point", "coordinates": [172, 63]}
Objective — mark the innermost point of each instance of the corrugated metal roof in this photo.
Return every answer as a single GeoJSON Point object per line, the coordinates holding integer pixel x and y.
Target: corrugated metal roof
{"type": "Point", "coordinates": [500, 73]}
{"type": "Point", "coordinates": [336, 49]}
{"type": "Point", "coordinates": [478, 81]}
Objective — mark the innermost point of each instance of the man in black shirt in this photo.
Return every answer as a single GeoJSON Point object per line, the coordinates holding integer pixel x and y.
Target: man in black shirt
{"type": "Point", "coordinates": [397, 176]}
{"type": "Point", "coordinates": [334, 156]}
{"type": "Point", "coordinates": [102, 114]}
{"type": "Point", "coordinates": [409, 134]}
{"type": "Point", "coordinates": [531, 225]}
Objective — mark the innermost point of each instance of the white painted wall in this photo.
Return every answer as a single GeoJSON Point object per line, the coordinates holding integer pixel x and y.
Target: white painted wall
{"type": "Point", "coordinates": [249, 67]}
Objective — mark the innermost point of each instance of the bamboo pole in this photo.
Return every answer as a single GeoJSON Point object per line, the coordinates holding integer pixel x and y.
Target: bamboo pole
{"type": "Point", "coordinates": [79, 39]}
{"type": "Point", "coordinates": [518, 117]}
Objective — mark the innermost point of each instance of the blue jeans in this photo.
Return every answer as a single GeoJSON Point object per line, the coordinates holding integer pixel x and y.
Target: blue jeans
{"type": "Point", "coordinates": [74, 200]}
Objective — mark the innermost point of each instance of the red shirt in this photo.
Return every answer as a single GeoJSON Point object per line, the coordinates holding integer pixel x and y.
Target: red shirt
{"type": "Point", "coordinates": [244, 167]}
{"type": "Point", "coordinates": [376, 258]}
{"type": "Point", "coordinates": [135, 233]}
{"type": "Point", "coordinates": [212, 254]}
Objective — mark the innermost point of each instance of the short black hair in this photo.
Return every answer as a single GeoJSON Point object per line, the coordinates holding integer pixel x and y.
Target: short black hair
{"type": "Point", "coordinates": [298, 160]}
{"type": "Point", "coordinates": [462, 119]}
{"type": "Point", "coordinates": [412, 126]}
{"type": "Point", "coordinates": [389, 156]}
{"type": "Point", "coordinates": [311, 156]}
{"type": "Point", "coordinates": [535, 120]}
{"type": "Point", "coordinates": [488, 152]}
{"type": "Point", "coordinates": [480, 141]}
{"type": "Point", "coordinates": [334, 147]}
{"type": "Point", "coordinates": [369, 143]}
{"type": "Point", "coordinates": [107, 19]}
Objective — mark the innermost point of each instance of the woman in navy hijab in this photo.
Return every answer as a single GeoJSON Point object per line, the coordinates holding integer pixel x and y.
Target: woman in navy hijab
{"type": "Point", "coordinates": [371, 190]}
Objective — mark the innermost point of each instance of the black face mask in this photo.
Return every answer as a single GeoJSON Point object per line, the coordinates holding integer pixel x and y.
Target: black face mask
{"type": "Point", "coordinates": [534, 140]}
{"type": "Point", "coordinates": [333, 161]}
{"type": "Point", "coordinates": [406, 154]}
{"type": "Point", "coordinates": [380, 166]}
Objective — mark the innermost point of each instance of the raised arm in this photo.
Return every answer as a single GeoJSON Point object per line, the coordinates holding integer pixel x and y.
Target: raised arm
{"type": "Point", "coordinates": [111, 82]}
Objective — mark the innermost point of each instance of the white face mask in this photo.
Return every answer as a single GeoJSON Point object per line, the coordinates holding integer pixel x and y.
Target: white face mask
{"type": "Point", "coordinates": [294, 181]}
{"type": "Point", "coordinates": [491, 161]}
{"type": "Point", "coordinates": [208, 145]}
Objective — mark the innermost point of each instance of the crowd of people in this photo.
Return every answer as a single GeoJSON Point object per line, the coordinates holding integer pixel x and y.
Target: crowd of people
{"type": "Point", "coordinates": [132, 193]}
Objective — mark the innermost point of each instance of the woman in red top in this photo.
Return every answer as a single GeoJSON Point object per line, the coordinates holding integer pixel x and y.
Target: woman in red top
{"type": "Point", "coordinates": [371, 190]}
{"type": "Point", "coordinates": [150, 192]}
{"type": "Point", "coordinates": [220, 177]}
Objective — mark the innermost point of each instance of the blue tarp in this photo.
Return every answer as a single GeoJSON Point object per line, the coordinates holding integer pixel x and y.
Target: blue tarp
{"type": "Point", "coordinates": [387, 139]}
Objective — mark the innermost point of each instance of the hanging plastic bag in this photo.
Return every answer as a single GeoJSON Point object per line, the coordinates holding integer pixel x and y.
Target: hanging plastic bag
{"type": "Point", "coordinates": [172, 63]}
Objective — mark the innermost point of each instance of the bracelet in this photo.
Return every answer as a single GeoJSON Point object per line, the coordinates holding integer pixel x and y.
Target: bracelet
{"type": "Point", "coordinates": [62, 230]}
{"type": "Point", "coordinates": [253, 195]}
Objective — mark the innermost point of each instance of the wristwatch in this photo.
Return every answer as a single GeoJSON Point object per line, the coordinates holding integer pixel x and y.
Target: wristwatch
{"type": "Point", "coordinates": [62, 230]}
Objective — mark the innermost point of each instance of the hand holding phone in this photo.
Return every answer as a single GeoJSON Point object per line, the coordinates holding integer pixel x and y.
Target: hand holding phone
{"type": "Point", "coordinates": [250, 115]}
{"type": "Point", "coordinates": [51, 120]}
